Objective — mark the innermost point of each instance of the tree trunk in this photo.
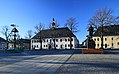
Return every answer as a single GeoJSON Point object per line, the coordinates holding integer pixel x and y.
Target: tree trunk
{"type": "Point", "coordinates": [102, 37]}
{"type": "Point", "coordinates": [7, 45]}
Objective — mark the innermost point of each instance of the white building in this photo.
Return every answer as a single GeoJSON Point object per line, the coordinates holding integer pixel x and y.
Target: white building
{"type": "Point", "coordinates": [54, 38]}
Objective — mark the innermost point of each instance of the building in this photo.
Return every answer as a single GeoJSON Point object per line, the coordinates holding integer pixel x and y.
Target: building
{"type": "Point", "coordinates": [21, 43]}
{"type": "Point", "coordinates": [54, 38]}
{"type": "Point", "coordinates": [3, 44]}
{"type": "Point", "coordinates": [25, 43]}
{"type": "Point", "coordinates": [110, 37]}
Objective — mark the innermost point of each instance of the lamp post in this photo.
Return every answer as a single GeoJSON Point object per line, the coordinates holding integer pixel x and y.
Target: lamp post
{"type": "Point", "coordinates": [14, 31]}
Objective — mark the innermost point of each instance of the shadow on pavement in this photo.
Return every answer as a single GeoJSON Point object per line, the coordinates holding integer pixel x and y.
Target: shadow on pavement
{"type": "Point", "coordinates": [52, 52]}
{"type": "Point", "coordinates": [42, 52]}
{"type": "Point", "coordinates": [108, 65]}
{"type": "Point", "coordinates": [111, 51]}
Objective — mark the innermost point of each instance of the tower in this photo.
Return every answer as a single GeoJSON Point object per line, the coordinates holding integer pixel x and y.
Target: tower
{"type": "Point", "coordinates": [53, 23]}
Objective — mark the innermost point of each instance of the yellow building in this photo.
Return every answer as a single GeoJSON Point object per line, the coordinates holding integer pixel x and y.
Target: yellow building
{"type": "Point", "coordinates": [110, 37]}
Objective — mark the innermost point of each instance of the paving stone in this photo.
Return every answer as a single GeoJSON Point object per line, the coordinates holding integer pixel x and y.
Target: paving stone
{"type": "Point", "coordinates": [60, 62]}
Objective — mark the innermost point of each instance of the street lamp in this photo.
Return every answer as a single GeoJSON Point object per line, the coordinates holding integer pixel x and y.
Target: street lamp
{"type": "Point", "coordinates": [14, 31]}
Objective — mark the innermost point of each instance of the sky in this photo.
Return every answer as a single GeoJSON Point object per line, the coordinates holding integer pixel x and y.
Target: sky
{"type": "Point", "coordinates": [28, 13]}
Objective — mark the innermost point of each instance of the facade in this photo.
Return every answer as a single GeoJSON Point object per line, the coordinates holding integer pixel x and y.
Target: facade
{"type": "Point", "coordinates": [21, 43]}
{"type": "Point", "coordinates": [3, 44]}
{"type": "Point", "coordinates": [54, 38]}
{"type": "Point", "coordinates": [110, 37]}
{"type": "Point", "coordinates": [58, 38]}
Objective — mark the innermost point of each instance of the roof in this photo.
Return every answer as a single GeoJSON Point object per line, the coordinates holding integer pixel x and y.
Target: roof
{"type": "Point", "coordinates": [112, 30]}
{"type": "Point", "coordinates": [21, 41]}
{"type": "Point", "coordinates": [25, 40]}
{"type": "Point", "coordinates": [54, 32]}
{"type": "Point", "coordinates": [14, 30]}
{"type": "Point", "coordinates": [2, 40]}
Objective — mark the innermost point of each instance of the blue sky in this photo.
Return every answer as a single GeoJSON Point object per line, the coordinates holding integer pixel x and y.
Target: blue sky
{"type": "Point", "coordinates": [27, 13]}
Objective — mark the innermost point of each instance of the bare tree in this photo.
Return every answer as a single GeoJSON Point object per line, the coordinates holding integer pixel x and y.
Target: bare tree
{"type": "Point", "coordinates": [102, 18]}
{"type": "Point", "coordinates": [39, 27]}
{"type": "Point", "coordinates": [71, 23]}
{"type": "Point", "coordinates": [29, 34]}
{"type": "Point", "coordinates": [7, 33]}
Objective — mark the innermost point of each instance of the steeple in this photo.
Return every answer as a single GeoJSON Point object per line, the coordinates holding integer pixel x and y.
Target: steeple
{"type": "Point", "coordinates": [53, 23]}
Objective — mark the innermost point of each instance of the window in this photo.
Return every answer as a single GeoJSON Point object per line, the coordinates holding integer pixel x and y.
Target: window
{"type": "Point", "coordinates": [44, 45]}
{"type": "Point", "coordinates": [105, 39]}
{"type": "Point", "coordinates": [68, 39]}
{"type": "Point", "coordinates": [105, 45]}
{"type": "Point", "coordinates": [47, 40]}
{"type": "Point", "coordinates": [97, 45]}
{"type": "Point", "coordinates": [32, 46]}
{"type": "Point", "coordinates": [94, 39]}
{"type": "Point", "coordinates": [61, 46]}
{"type": "Point", "coordinates": [118, 43]}
{"type": "Point", "coordinates": [56, 45]}
{"type": "Point", "coordinates": [71, 39]}
{"type": "Point", "coordinates": [98, 39]}
{"type": "Point", "coordinates": [112, 38]}
{"type": "Point", "coordinates": [65, 45]}
{"type": "Point", "coordinates": [112, 44]}
{"type": "Point", "coordinates": [65, 39]}
{"type": "Point", "coordinates": [60, 40]}
{"type": "Point", "coordinates": [37, 46]}
{"type": "Point", "coordinates": [32, 41]}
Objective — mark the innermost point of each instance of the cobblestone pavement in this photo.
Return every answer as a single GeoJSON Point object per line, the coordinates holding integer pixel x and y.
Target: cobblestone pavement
{"type": "Point", "coordinates": [90, 64]}
{"type": "Point", "coordinates": [59, 62]}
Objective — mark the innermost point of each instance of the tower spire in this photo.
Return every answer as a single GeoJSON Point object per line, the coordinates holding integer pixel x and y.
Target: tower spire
{"type": "Point", "coordinates": [53, 23]}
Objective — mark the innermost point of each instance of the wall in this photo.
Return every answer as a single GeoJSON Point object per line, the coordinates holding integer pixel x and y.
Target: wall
{"type": "Point", "coordinates": [63, 44]}
{"type": "Point", "coordinates": [109, 41]}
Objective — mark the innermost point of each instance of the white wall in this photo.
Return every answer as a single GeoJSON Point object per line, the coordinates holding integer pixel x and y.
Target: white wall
{"type": "Point", "coordinates": [64, 44]}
